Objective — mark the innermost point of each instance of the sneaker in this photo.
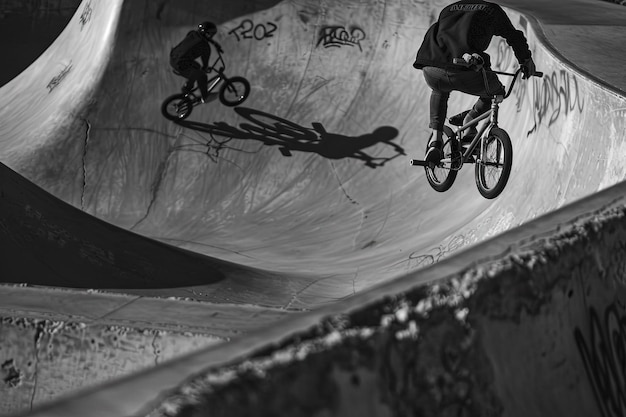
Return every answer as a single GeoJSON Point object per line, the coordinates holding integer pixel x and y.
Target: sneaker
{"type": "Point", "coordinates": [457, 119]}
{"type": "Point", "coordinates": [434, 154]}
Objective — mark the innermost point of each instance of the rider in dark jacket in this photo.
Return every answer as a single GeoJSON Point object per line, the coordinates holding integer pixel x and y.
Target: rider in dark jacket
{"type": "Point", "coordinates": [195, 45]}
{"type": "Point", "coordinates": [465, 27]}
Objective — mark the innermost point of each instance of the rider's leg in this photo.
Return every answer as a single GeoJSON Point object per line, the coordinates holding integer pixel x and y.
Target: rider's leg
{"type": "Point", "coordinates": [203, 85]}
{"type": "Point", "coordinates": [438, 110]}
{"type": "Point", "coordinates": [482, 105]}
{"type": "Point", "coordinates": [193, 72]}
{"type": "Point", "coordinates": [436, 78]}
{"type": "Point", "coordinates": [472, 82]}
{"type": "Point", "coordinates": [196, 74]}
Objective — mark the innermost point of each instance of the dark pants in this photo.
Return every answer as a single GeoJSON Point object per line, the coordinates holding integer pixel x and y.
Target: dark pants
{"type": "Point", "coordinates": [193, 72]}
{"type": "Point", "coordinates": [443, 82]}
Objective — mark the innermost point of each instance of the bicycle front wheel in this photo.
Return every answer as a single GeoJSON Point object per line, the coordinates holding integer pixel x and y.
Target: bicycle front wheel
{"type": "Point", "coordinates": [234, 91]}
{"type": "Point", "coordinates": [493, 167]}
{"type": "Point", "coordinates": [442, 176]}
{"type": "Point", "coordinates": [177, 107]}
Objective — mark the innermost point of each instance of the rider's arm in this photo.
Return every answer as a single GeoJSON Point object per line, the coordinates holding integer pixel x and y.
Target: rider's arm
{"type": "Point", "coordinates": [217, 46]}
{"type": "Point", "coordinates": [205, 53]}
{"type": "Point", "coordinates": [515, 38]}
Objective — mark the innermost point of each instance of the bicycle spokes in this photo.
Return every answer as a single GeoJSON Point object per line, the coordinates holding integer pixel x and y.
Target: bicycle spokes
{"type": "Point", "coordinates": [492, 162]}
{"type": "Point", "coordinates": [232, 93]}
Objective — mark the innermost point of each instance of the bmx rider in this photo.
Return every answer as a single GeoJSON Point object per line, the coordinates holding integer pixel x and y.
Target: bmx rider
{"type": "Point", "coordinates": [184, 55]}
{"type": "Point", "coordinates": [465, 27]}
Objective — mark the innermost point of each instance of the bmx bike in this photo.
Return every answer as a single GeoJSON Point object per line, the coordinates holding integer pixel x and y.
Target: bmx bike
{"type": "Point", "coordinates": [233, 91]}
{"type": "Point", "coordinates": [490, 150]}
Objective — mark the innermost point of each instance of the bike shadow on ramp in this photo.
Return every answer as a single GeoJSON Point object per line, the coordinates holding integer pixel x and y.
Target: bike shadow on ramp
{"type": "Point", "coordinates": [272, 130]}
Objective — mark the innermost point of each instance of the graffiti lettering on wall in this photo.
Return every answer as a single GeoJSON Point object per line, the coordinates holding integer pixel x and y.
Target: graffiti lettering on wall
{"type": "Point", "coordinates": [555, 95]}
{"type": "Point", "coordinates": [337, 36]}
{"type": "Point", "coordinates": [85, 16]}
{"type": "Point", "coordinates": [54, 82]}
{"type": "Point", "coordinates": [248, 30]}
{"type": "Point", "coordinates": [504, 60]}
{"type": "Point", "coordinates": [604, 356]}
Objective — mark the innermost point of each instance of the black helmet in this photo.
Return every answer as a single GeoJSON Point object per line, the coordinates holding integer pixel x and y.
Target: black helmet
{"type": "Point", "coordinates": [207, 29]}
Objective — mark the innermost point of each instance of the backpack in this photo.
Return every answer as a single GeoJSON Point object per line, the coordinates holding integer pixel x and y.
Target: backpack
{"type": "Point", "coordinates": [185, 45]}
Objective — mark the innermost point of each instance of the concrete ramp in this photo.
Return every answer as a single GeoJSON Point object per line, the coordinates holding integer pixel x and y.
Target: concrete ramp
{"type": "Point", "coordinates": [291, 230]}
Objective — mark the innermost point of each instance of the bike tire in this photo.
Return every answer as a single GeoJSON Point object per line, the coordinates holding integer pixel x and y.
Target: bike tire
{"type": "Point", "coordinates": [493, 167]}
{"type": "Point", "coordinates": [442, 176]}
{"type": "Point", "coordinates": [177, 107]}
{"type": "Point", "coordinates": [234, 91]}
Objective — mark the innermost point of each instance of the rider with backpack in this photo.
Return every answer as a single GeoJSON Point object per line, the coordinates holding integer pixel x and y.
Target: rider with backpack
{"type": "Point", "coordinates": [195, 45]}
{"type": "Point", "coordinates": [465, 27]}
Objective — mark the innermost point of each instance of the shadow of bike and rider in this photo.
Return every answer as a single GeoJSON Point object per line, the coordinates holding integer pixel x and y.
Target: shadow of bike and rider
{"type": "Point", "coordinates": [272, 130]}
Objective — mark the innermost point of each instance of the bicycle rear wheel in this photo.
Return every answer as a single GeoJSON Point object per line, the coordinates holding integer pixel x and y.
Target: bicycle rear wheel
{"type": "Point", "coordinates": [493, 167]}
{"type": "Point", "coordinates": [442, 176]}
{"type": "Point", "coordinates": [234, 91]}
{"type": "Point", "coordinates": [177, 107]}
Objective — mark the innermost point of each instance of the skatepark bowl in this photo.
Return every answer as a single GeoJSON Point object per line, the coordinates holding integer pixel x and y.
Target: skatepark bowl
{"type": "Point", "coordinates": [282, 257]}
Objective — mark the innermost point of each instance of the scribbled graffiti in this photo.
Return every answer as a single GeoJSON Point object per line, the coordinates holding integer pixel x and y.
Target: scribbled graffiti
{"type": "Point", "coordinates": [555, 95]}
{"type": "Point", "coordinates": [504, 60]}
{"type": "Point", "coordinates": [55, 81]}
{"type": "Point", "coordinates": [420, 259]}
{"type": "Point", "coordinates": [603, 353]}
{"type": "Point", "coordinates": [337, 36]}
{"type": "Point", "coordinates": [249, 30]}
{"type": "Point", "coordinates": [85, 16]}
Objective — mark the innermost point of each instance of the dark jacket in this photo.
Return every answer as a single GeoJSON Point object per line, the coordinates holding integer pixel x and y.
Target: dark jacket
{"type": "Point", "coordinates": [192, 47]}
{"type": "Point", "coordinates": [467, 27]}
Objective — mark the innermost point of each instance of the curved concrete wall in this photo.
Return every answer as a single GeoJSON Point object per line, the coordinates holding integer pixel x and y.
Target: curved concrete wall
{"type": "Point", "coordinates": [533, 331]}
{"type": "Point", "coordinates": [339, 227]}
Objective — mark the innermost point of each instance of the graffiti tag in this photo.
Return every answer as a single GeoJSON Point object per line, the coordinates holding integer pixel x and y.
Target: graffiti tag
{"type": "Point", "coordinates": [555, 95]}
{"type": "Point", "coordinates": [248, 30]}
{"type": "Point", "coordinates": [54, 83]}
{"type": "Point", "coordinates": [337, 36]}
{"type": "Point", "coordinates": [419, 259]}
{"type": "Point", "coordinates": [604, 357]}
{"type": "Point", "coordinates": [85, 16]}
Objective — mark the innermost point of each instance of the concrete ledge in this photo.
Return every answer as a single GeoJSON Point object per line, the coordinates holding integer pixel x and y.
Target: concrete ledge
{"type": "Point", "coordinates": [530, 334]}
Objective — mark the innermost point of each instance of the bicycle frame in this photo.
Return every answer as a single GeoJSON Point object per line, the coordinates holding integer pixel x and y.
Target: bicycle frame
{"type": "Point", "coordinates": [213, 81]}
{"type": "Point", "coordinates": [492, 114]}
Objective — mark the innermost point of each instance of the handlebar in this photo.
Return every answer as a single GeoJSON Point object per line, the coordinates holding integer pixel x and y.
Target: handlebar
{"type": "Point", "coordinates": [219, 58]}
{"type": "Point", "coordinates": [476, 61]}
{"type": "Point", "coordinates": [514, 75]}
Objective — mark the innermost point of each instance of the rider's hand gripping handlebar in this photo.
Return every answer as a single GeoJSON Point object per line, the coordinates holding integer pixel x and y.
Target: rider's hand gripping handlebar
{"type": "Point", "coordinates": [476, 62]}
{"type": "Point", "coordinates": [473, 61]}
